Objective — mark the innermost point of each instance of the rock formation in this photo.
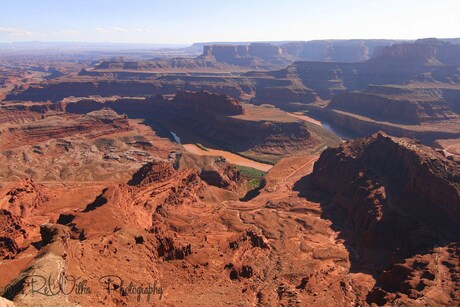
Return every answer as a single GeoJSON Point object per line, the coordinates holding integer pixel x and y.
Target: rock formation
{"type": "Point", "coordinates": [422, 61]}
{"type": "Point", "coordinates": [253, 55]}
{"type": "Point", "coordinates": [392, 199]}
{"type": "Point", "coordinates": [214, 171]}
{"type": "Point", "coordinates": [57, 90]}
{"type": "Point", "coordinates": [24, 198]}
{"type": "Point", "coordinates": [320, 50]}
{"type": "Point", "coordinates": [421, 52]}
{"type": "Point", "coordinates": [94, 186]}
{"type": "Point", "coordinates": [169, 251]}
{"type": "Point", "coordinates": [400, 105]}
{"type": "Point", "coordinates": [221, 120]}
{"type": "Point", "coordinates": [206, 102]}
{"type": "Point", "coordinates": [152, 172]}
{"type": "Point", "coordinates": [12, 233]}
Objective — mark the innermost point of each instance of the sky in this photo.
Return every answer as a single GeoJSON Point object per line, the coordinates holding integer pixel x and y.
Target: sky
{"type": "Point", "coordinates": [189, 21]}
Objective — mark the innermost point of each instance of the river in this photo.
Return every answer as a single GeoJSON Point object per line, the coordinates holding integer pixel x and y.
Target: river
{"type": "Point", "coordinates": [344, 134]}
{"type": "Point", "coordinates": [176, 138]}
{"type": "Point", "coordinates": [239, 160]}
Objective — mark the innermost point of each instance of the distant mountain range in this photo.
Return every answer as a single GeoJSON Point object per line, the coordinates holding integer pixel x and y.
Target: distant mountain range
{"type": "Point", "coordinates": [195, 47]}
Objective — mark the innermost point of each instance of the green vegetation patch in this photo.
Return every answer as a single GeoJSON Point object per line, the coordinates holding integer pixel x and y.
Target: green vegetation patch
{"type": "Point", "coordinates": [253, 183]}
{"type": "Point", "coordinates": [250, 172]}
{"type": "Point", "coordinates": [253, 176]}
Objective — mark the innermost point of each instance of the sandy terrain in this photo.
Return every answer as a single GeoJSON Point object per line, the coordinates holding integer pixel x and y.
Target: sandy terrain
{"type": "Point", "coordinates": [301, 116]}
{"type": "Point", "coordinates": [232, 158]}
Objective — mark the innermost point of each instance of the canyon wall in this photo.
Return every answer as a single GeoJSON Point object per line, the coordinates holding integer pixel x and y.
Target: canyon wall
{"type": "Point", "coordinates": [361, 126]}
{"type": "Point", "coordinates": [422, 51]}
{"type": "Point", "coordinates": [401, 165]}
{"type": "Point", "coordinates": [320, 50]}
{"type": "Point", "coordinates": [209, 103]}
{"type": "Point", "coordinates": [399, 104]}
{"type": "Point", "coordinates": [393, 200]}
{"type": "Point", "coordinates": [421, 61]}
{"type": "Point", "coordinates": [213, 117]}
{"type": "Point", "coordinates": [58, 90]}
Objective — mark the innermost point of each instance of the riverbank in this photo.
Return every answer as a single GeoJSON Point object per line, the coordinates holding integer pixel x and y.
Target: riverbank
{"type": "Point", "coordinates": [230, 157]}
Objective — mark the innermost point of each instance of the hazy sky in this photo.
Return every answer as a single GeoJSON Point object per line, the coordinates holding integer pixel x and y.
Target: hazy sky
{"type": "Point", "coordinates": [183, 22]}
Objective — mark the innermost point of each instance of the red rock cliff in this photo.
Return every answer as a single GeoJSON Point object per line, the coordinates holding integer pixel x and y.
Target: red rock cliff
{"type": "Point", "coordinates": [209, 102]}
{"type": "Point", "coordinates": [397, 205]}
{"type": "Point", "coordinates": [396, 195]}
{"type": "Point", "coordinates": [424, 51]}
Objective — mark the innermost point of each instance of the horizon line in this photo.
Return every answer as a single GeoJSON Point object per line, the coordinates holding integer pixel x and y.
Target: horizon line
{"type": "Point", "coordinates": [224, 42]}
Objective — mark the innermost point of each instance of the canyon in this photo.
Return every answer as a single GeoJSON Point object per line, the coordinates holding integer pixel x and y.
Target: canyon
{"type": "Point", "coordinates": [419, 77]}
{"type": "Point", "coordinates": [189, 231]}
{"type": "Point", "coordinates": [209, 174]}
{"type": "Point", "coordinates": [261, 133]}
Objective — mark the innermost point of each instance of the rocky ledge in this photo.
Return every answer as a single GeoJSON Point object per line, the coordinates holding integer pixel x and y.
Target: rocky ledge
{"type": "Point", "coordinates": [393, 200]}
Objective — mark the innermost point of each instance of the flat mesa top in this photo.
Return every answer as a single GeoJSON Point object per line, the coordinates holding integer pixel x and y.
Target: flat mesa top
{"type": "Point", "coordinates": [265, 113]}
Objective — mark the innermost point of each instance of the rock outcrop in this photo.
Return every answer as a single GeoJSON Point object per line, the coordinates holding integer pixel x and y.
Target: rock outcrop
{"type": "Point", "coordinates": [169, 251]}
{"type": "Point", "coordinates": [12, 233]}
{"type": "Point", "coordinates": [399, 104]}
{"type": "Point", "coordinates": [206, 102]}
{"type": "Point", "coordinates": [50, 124]}
{"type": "Point", "coordinates": [319, 50]}
{"type": "Point", "coordinates": [285, 94]}
{"type": "Point", "coordinates": [152, 172]}
{"type": "Point", "coordinates": [417, 276]}
{"type": "Point", "coordinates": [392, 199]}
{"type": "Point", "coordinates": [252, 56]}
{"type": "Point", "coordinates": [225, 53]}
{"type": "Point", "coordinates": [25, 197]}
{"type": "Point", "coordinates": [421, 52]}
{"type": "Point", "coordinates": [186, 189]}
{"type": "Point", "coordinates": [214, 171]}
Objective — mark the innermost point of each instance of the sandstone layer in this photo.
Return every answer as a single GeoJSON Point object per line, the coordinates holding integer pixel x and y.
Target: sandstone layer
{"type": "Point", "coordinates": [222, 121]}
{"type": "Point", "coordinates": [396, 204]}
